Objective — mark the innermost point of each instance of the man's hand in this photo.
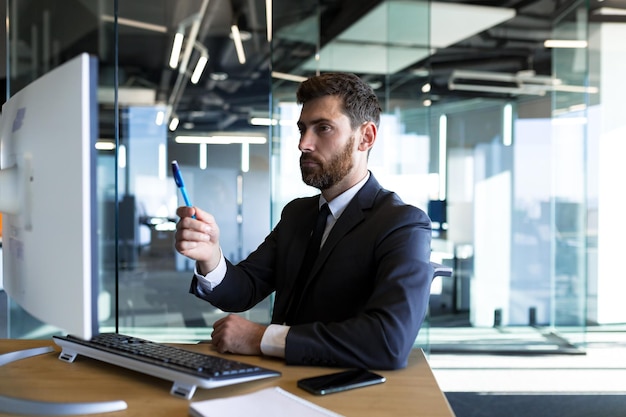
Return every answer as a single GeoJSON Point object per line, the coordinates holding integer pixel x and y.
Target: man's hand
{"type": "Point", "coordinates": [234, 334]}
{"type": "Point", "coordinates": [198, 238]}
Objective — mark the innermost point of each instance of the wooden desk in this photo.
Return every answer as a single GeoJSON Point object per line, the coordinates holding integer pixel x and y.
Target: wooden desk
{"type": "Point", "coordinates": [408, 392]}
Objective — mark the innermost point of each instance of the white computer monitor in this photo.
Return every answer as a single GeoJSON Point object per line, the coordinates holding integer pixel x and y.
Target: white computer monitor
{"type": "Point", "coordinates": [48, 197]}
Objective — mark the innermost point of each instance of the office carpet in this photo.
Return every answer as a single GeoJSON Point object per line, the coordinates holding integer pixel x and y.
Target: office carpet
{"type": "Point", "coordinates": [476, 404]}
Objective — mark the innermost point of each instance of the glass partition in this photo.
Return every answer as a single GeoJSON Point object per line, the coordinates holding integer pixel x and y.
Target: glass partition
{"type": "Point", "coordinates": [505, 177]}
{"type": "Point", "coordinates": [144, 282]}
{"type": "Point", "coordinates": [570, 160]}
{"type": "Point", "coordinates": [39, 40]}
{"type": "Point", "coordinates": [516, 204]}
{"type": "Point", "coordinates": [224, 161]}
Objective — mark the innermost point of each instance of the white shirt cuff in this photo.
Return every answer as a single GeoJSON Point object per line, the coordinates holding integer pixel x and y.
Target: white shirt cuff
{"type": "Point", "coordinates": [273, 341]}
{"type": "Point", "coordinates": [213, 278]}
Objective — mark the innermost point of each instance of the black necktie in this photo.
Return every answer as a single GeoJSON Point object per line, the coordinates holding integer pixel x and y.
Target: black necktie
{"type": "Point", "coordinates": [315, 242]}
{"type": "Point", "coordinates": [312, 249]}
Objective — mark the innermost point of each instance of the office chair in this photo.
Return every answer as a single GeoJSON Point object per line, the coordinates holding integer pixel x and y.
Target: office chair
{"type": "Point", "coordinates": [440, 270]}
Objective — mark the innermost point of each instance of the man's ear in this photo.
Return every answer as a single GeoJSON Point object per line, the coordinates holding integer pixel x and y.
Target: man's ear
{"type": "Point", "coordinates": [368, 136]}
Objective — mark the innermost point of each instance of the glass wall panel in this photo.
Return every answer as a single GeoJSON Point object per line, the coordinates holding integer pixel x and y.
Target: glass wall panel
{"type": "Point", "coordinates": [145, 283]}
{"type": "Point", "coordinates": [570, 149]}
{"type": "Point", "coordinates": [41, 36]}
{"type": "Point", "coordinates": [516, 198]}
{"type": "Point", "coordinates": [202, 124]}
{"type": "Point", "coordinates": [503, 174]}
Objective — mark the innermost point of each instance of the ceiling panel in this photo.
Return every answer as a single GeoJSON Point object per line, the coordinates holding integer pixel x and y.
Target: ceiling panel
{"type": "Point", "coordinates": [405, 25]}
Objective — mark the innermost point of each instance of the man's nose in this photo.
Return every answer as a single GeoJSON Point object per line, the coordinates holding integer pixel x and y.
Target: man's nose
{"type": "Point", "coordinates": [307, 142]}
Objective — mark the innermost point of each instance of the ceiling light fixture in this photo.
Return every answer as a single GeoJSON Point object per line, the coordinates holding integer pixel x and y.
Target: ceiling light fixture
{"type": "Point", "coordinates": [268, 18]}
{"type": "Point", "coordinates": [203, 156]}
{"type": "Point", "coordinates": [138, 24]}
{"type": "Point", "coordinates": [609, 11]}
{"type": "Point", "coordinates": [564, 43]}
{"type": "Point", "coordinates": [177, 46]}
{"type": "Point", "coordinates": [174, 123]}
{"type": "Point", "coordinates": [443, 155]}
{"type": "Point", "coordinates": [105, 145]}
{"type": "Point", "coordinates": [263, 121]}
{"type": "Point", "coordinates": [221, 139]}
{"type": "Point", "coordinates": [197, 72]}
{"type": "Point", "coordinates": [507, 124]}
{"type": "Point", "coordinates": [288, 77]}
{"type": "Point", "coordinates": [241, 55]}
{"type": "Point", "coordinates": [201, 64]}
{"type": "Point", "coordinates": [160, 118]}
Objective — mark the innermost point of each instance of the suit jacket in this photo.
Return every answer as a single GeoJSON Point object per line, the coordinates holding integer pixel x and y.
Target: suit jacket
{"type": "Point", "coordinates": [368, 291]}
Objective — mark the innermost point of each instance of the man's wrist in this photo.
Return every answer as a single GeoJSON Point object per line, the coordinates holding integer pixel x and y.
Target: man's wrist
{"type": "Point", "coordinates": [206, 267]}
{"type": "Point", "coordinates": [213, 278]}
{"type": "Point", "coordinates": [273, 340]}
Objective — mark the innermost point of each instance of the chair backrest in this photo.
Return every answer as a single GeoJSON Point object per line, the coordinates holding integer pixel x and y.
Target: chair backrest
{"type": "Point", "coordinates": [440, 270]}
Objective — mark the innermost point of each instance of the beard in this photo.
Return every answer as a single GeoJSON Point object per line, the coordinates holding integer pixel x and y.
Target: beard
{"type": "Point", "coordinates": [323, 176]}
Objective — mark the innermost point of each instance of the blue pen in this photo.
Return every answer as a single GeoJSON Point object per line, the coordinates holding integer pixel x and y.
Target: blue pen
{"type": "Point", "coordinates": [179, 182]}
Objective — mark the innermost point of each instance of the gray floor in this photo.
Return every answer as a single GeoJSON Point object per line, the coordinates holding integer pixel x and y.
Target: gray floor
{"type": "Point", "coordinates": [601, 369]}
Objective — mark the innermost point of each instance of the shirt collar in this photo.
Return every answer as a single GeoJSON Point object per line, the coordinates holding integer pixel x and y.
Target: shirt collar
{"type": "Point", "coordinates": [339, 203]}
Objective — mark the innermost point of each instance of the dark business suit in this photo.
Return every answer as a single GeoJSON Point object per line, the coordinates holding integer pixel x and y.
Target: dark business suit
{"type": "Point", "coordinates": [367, 294]}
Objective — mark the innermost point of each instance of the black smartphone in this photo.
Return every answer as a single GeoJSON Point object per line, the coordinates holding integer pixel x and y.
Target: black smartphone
{"type": "Point", "coordinates": [340, 381]}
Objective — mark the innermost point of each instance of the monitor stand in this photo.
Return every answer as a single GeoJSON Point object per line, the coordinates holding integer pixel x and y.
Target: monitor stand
{"type": "Point", "coordinates": [19, 406]}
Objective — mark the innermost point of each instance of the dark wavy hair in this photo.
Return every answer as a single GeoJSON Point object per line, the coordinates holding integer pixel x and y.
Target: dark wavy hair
{"type": "Point", "coordinates": [360, 103]}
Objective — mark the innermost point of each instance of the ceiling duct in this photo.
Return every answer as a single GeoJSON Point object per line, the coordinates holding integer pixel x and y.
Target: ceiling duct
{"type": "Point", "coordinates": [520, 83]}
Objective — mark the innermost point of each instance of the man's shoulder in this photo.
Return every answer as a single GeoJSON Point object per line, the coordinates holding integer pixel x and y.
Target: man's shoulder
{"type": "Point", "coordinates": [302, 204]}
{"type": "Point", "coordinates": [390, 205]}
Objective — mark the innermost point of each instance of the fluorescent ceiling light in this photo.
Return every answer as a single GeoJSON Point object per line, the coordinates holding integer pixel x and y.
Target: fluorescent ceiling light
{"type": "Point", "coordinates": [121, 157]}
{"type": "Point", "coordinates": [507, 124]}
{"type": "Point", "coordinates": [135, 24]}
{"type": "Point", "coordinates": [221, 139]}
{"type": "Point", "coordinates": [610, 11]}
{"type": "Point", "coordinates": [241, 55]}
{"type": "Point", "coordinates": [268, 18]}
{"type": "Point", "coordinates": [160, 118]}
{"type": "Point", "coordinates": [266, 121]}
{"type": "Point", "coordinates": [245, 157]}
{"type": "Point", "coordinates": [203, 156]}
{"type": "Point", "coordinates": [443, 148]}
{"type": "Point", "coordinates": [176, 48]}
{"type": "Point", "coordinates": [174, 123]}
{"type": "Point", "coordinates": [105, 145]}
{"type": "Point", "coordinates": [288, 77]}
{"type": "Point", "coordinates": [197, 72]}
{"type": "Point", "coordinates": [564, 43]}
{"type": "Point", "coordinates": [263, 121]}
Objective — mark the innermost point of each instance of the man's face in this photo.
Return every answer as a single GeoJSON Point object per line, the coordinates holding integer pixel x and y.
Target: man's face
{"type": "Point", "coordinates": [326, 142]}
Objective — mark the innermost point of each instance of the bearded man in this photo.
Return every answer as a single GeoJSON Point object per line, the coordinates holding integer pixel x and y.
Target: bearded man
{"type": "Point", "coordinates": [360, 298]}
